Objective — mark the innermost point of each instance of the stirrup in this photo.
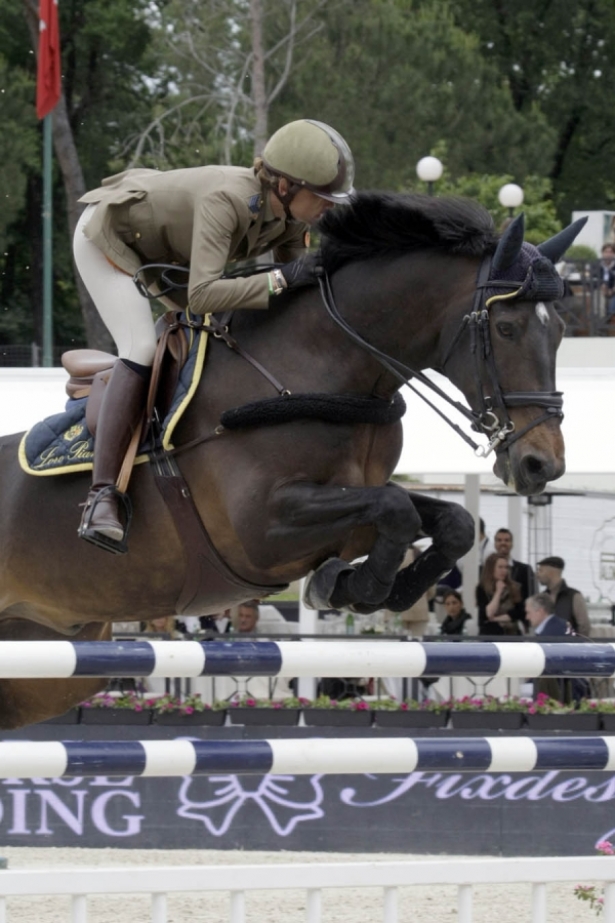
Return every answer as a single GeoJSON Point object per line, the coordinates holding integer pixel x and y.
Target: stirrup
{"type": "Point", "coordinates": [89, 534]}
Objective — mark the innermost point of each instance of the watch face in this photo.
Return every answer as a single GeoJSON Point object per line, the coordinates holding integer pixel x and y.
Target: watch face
{"type": "Point", "coordinates": [306, 240]}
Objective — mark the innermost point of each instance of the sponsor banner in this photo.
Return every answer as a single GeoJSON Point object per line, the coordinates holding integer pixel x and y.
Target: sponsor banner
{"type": "Point", "coordinates": [511, 814]}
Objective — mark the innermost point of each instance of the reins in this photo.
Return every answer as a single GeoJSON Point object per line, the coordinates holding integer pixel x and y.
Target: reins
{"type": "Point", "coordinates": [501, 433]}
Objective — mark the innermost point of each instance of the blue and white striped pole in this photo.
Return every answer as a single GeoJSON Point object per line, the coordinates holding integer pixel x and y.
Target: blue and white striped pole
{"type": "Point", "coordinates": [52, 759]}
{"type": "Point", "coordinates": [62, 659]}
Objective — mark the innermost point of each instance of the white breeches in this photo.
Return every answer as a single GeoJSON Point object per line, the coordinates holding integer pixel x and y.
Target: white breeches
{"type": "Point", "coordinates": [126, 314]}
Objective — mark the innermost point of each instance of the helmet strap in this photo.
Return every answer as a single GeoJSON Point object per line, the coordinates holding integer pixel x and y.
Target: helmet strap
{"type": "Point", "coordinates": [286, 198]}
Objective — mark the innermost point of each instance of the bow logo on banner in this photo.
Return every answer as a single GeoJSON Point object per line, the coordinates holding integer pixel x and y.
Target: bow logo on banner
{"type": "Point", "coordinates": [284, 800]}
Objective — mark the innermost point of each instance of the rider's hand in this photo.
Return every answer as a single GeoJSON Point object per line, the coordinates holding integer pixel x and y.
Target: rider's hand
{"type": "Point", "coordinates": [299, 272]}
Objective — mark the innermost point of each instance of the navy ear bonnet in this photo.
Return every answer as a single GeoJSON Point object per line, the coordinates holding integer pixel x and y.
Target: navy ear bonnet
{"type": "Point", "coordinates": [531, 277]}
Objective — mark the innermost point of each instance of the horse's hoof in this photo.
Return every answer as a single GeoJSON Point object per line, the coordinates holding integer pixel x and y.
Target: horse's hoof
{"type": "Point", "coordinates": [320, 584]}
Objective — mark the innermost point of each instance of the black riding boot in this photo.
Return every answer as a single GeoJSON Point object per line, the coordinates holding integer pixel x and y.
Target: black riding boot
{"type": "Point", "coordinates": [120, 413]}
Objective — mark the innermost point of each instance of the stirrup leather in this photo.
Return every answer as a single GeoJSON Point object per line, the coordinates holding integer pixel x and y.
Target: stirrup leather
{"type": "Point", "coordinates": [89, 533]}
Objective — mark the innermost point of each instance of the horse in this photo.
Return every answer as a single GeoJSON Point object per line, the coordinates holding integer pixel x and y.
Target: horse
{"type": "Point", "coordinates": [402, 283]}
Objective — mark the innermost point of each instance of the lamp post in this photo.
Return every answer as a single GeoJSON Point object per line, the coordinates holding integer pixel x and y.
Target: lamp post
{"type": "Point", "coordinates": [511, 197]}
{"type": "Point", "coordinates": [429, 170]}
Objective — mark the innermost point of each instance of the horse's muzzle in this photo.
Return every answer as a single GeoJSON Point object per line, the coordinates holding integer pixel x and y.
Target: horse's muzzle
{"type": "Point", "coordinates": [530, 472]}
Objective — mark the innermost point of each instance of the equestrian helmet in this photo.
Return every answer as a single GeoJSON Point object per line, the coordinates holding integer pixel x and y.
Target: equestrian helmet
{"type": "Point", "coordinates": [312, 155]}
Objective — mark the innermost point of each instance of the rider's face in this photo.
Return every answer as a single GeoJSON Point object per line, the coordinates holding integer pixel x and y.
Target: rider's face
{"type": "Point", "coordinates": [307, 206]}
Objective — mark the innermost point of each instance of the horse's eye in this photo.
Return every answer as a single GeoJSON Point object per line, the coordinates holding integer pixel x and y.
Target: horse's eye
{"type": "Point", "coordinates": [506, 330]}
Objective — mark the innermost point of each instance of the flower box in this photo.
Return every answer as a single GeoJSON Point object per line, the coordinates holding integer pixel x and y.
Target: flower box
{"type": "Point", "coordinates": [115, 716]}
{"type": "Point", "coordinates": [410, 718]}
{"type": "Point", "coordinates": [491, 720]}
{"type": "Point", "coordinates": [573, 721]}
{"type": "Point", "coordinates": [287, 717]}
{"type": "Point", "coordinates": [209, 717]}
{"type": "Point", "coordinates": [338, 717]}
{"type": "Point", "coordinates": [607, 719]}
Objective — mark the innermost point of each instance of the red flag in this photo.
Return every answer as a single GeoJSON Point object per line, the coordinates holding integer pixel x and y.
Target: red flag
{"type": "Point", "coordinates": [48, 75]}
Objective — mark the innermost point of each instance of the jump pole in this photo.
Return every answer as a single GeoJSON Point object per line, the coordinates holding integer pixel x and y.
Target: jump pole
{"type": "Point", "coordinates": [54, 759]}
{"type": "Point", "coordinates": [63, 659]}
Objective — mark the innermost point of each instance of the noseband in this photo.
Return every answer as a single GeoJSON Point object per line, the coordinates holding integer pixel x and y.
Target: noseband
{"type": "Point", "coordinates": [492, 417]}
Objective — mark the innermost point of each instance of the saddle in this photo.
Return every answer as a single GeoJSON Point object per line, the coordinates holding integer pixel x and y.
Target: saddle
{"type": "Point", "coordinates": [89, 371]}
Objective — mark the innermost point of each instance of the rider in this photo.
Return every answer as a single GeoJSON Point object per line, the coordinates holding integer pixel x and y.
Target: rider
{"type": "Point", "coordinates": [201, 218]}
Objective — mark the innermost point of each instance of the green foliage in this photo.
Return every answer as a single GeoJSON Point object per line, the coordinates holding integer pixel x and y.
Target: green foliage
{"type": "Point", "coordinates": [580, 252]}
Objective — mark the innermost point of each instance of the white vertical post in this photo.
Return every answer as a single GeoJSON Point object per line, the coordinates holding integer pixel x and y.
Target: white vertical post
{"type": "Point", "coordinates": [609, 902]}
{"type": "Point", "coordinates": [464, 904]}
{"type": "Point", "coordinates": [159, 908]}
{"type": "Point", "coordinates": [238, 907]}
{"type": "Point", "coordinates": [390, 905]}
{"type": "Point", "coordinates": [313, 907]}
{"type": "Point", "coordinates": [308, 623]}
{"type": "Point", "coordinates": [2, 909]}
{"type": "Point", "coordinates": [78, 909]}
{"type": "Point", "coordinates": [515, 525]}
{"type": "Point", "coordinates": [470, 560]}
{"type": "Point", "coordinates": [539, 900]}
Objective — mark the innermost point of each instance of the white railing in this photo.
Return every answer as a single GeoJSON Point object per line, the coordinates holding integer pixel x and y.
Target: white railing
{"type": "Point", "coordinates": [159, 881]}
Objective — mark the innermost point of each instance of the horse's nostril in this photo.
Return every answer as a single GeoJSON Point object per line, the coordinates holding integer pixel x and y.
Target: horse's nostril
{"type": "Point", "coordinates": [533, 464]}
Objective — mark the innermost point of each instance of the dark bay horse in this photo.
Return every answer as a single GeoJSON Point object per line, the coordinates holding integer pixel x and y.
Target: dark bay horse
{"type": "Point", "coordinates": [426, 282]}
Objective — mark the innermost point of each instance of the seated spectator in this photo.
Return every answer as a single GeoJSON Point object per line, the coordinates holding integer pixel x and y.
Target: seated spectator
{"type": "Point", "coordinates": [540, 613]}
{"type": "Point", "coordinates": [219, 622]}
{"type": "Point", "coordinates": [246, 618]}
{"type": "Point", "coordinates": [499, 599]}
{"type": "Point", "coordinates": [456, 615]}
{"type": "Point", "coordinates": [164, 624]}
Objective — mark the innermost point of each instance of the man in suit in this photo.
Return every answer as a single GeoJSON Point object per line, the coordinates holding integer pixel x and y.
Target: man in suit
{"type": "Point", "coordinates": [546, 625]}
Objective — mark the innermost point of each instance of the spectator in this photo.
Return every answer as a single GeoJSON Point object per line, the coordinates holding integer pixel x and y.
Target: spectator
{"type": "Point", "coordinates": [519, 572]}
{"type": "Point", "coordinates": [569, 603]}
{"type": "Point", "coordinates": [164, 624]}
{"type": "Point", "coordinates": [456, 615]}
{"type": "Point", "coordinates": [219, 622]}
{"type": "Point", "coordinates": [540, 613]}
{"type": "Point", "coordinates": [606, 270]}
{"type": "Point", "coordinates": [246, 621]}
{"type": "Point", "coordinates": [499, 599]}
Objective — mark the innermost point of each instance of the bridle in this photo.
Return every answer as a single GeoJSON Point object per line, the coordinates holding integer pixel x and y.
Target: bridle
{"type": "Point", "coordinates": [492, 417]}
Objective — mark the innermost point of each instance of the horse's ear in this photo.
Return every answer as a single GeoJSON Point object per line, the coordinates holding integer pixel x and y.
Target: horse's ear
{"type": "Point", "coordinates": [509, 246]}
{"type": "Point", "coordinates": [555, 247]}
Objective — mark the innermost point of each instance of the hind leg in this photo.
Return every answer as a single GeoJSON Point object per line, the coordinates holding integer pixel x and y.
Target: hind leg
{"type": "Point", "coordinates": [27, 701]}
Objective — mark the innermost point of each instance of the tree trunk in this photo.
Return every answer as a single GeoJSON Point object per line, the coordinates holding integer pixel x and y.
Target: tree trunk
{"type": "Point", "coordinates": [259, 93]}
{"type": "Point", "coordinates": [97, 335]}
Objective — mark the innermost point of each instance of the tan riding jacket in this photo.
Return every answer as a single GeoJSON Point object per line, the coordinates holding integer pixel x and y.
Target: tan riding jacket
{"type": "Point", "coordinates": [202, 217]}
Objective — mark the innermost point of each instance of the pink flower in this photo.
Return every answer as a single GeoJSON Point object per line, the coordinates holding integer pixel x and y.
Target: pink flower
{"type": "Point", "coordinates": [404, 706]}
{"type": "Point", "coordinates": [606, 848]}
{"type": "Point", "coordinates": [189, 710]}
{"type": "Point", "coordinates": [361, 706]}
{"type": "Point", "coordinates": [251, 702]}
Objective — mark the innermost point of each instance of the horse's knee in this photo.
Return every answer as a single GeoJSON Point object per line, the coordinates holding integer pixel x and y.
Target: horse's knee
{"type": "Point", "coordinates": [397, 516]}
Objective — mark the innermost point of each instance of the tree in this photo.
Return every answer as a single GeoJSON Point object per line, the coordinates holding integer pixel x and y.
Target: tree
{"type": "Point", "coordinates": [398, 77]}
{"type": "Point", "coordinates": [228, 61]}
{"type": "Point", "coordinates": [558, 57]}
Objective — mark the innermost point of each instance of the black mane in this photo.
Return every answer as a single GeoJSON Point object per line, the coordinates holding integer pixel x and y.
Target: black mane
{"type": "Point", "coordinates": [387, 224]}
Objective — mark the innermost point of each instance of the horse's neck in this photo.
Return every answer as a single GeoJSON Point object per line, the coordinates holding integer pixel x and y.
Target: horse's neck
{"type": "Point", "coordinates": [403, 307]}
